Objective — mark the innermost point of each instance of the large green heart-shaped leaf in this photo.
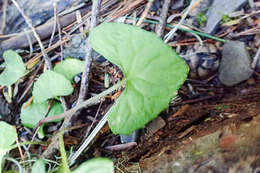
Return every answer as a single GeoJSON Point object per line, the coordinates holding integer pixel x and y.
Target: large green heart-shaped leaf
{"type": "Point", "coordinates": [8, 136]}
{"type": "Point", "coordinates": [69, 68]}
{"type": "Point", "coordinates": [154, 73]}
{"type": "Point", "coordinates": [14, 69]}
{"type": "Point", "coordinates": [49, 85]}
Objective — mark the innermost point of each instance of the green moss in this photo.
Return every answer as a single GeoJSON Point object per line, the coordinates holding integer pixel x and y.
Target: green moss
{"type": "Point", "coordinates": [202, 19]}
{"type": "Point", "coordinates": [225, 18]}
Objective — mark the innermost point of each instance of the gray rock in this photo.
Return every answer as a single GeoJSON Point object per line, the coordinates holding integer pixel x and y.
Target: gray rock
{"type": "Point", "coordinates": [217, 9]}
{"type": "Point", "coordinates": [235, 65]}
{"type": "Point", "coordinates": [76, 48]}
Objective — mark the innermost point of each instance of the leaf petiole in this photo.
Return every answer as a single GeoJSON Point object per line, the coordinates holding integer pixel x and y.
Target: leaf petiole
{"type": "Point", "coordinates": [91, 101]}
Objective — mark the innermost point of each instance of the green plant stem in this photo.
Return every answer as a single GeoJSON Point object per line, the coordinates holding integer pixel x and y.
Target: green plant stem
{"type": "Point", "coordinates": [36, 35]}
{"type": "Point", "coordinates": [91, 101]}
{"type": "Point", "coordinates": [185, 30]}
{"type": "Point", "coordinates": [88, 102]}
{"type": "Point", "coordinates": [64, 167]}
{"type": "Point", "coordinates": [16, 163]}
{"type": "Point", "coordinates": [25, 143]}
{"type": "Point", "coordinates": [100, 124]}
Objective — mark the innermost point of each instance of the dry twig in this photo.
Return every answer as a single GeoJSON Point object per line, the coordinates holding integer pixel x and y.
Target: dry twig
{"type": "Point", "coordinates": [29, 23]}
{"type": "Point", "coordinates": [58, 26]}
{"type": "Point", "coordinates": [93, 100]}
{"type": "Point", "coordinates": [125, 10]}
{"type": "Point", "coordinates": [54, 22]}
{"type": "Point", "coordinates": [88, 58]}
{"type": "Point", "coordinates": [84, 83]}
{"type": "Point", "coordinates": [44, 31]}
{"type": "Point", "coordinates": [3, 17]}
{"type": "Point", "coordinates": [160, 27]}
{"type": "Point", "coordinates": [145, 12]}
{"type": "Point", "coordinates": [256, 58]}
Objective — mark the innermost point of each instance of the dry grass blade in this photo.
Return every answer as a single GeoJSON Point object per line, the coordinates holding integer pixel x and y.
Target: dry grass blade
{"type": "Point", "coordinates": [128, 7]}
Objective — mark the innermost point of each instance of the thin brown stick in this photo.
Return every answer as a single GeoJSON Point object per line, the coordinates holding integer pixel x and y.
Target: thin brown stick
{"type": "Point", "coordinates": [3, 17]}
{"type": "Point", "coordinates": [126, 10]}
{"type": "Point", "coordinates": [36, 130]}
{"type": "Point", "coordinates": [160, 27]}
{"type": "Point", "coordinates": [256, 58]}
{"type": "Point", "coordinates": [54, 22]}
{"type": "Point", "coordinates": [29, 23]}
{"type": "Point", "coordinates": [88, 59]}
{"type": "Point", "coordinates": [37, 57]}
{"type": "Point", "coordinates": [69, 113]}
{"type": "Point", "coordinates": [59, 29]}
{"type": "Point", "coordinates": [30, 83]}
{"type": "Point", "coordinates": [195, 100]}
{"type": "Point", "coordinates": [145, 12]}
{"type": "Point", "coordinates": [120, 147]}
{"type": "Point", "coordinates": [20, 149]}
{"type": "Point", "coordinates": [93, 121]}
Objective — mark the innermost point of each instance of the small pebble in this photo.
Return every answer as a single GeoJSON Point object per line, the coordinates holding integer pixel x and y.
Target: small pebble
{"type": "Point", "coordinates": [76, 48]}
{"type": "Point", "coordinates": [235, 65]}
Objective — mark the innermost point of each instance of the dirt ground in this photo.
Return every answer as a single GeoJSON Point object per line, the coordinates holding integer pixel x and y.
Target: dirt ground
{"type": "Point", "coordinates": [228, 109]}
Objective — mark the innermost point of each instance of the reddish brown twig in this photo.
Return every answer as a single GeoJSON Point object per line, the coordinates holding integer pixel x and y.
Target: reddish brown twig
{"type": "Point", "coordinates": [145, 12]}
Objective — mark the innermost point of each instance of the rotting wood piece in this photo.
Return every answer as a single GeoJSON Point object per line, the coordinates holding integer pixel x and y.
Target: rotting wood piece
{"type": "Point", "coordinates": [44, 32]}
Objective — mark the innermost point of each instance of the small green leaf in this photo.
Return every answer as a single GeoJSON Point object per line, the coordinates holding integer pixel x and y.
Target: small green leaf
{"type": "Point", "coordinates": [14, 69]}
{"type": "Point", "coordinates": [96, 165]}
{"type": "Point", "coordinates": [49, 85]}
{"type": "Point", "coordinates": [69, 68]}
{"type": "Point", "coordinates": [39, 166]}
{"type": "Point", "coordinates": [154, 73]}
{"type": "Point", "coordinates": [8, 136]}
{"type": "Point", "coordinates": [32, 114]}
